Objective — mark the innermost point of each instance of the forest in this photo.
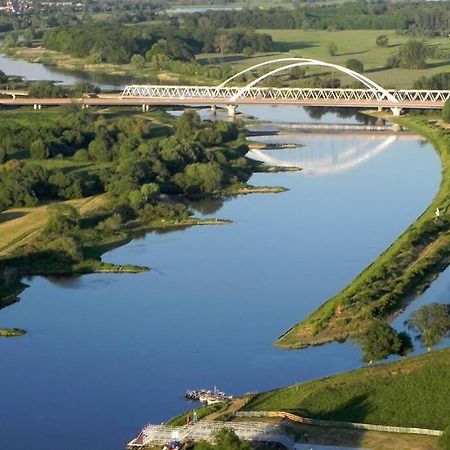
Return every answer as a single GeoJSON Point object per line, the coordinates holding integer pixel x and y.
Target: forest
{"type": "Point", "coordinates": [168, 41]}
{"type": "Point", "coordinates": [77, 154]}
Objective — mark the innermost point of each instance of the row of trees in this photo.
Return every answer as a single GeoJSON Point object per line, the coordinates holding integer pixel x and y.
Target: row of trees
{"type": "Point", "coordinates": [360, 15]}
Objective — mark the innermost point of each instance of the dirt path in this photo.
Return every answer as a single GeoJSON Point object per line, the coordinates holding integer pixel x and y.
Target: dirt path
{"type": "Point", "coordinates": [234, 406]}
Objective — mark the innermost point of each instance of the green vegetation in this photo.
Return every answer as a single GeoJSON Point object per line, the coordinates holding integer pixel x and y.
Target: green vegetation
{"type": "Point", "coordinates": [11, 332]}
{"type": "Point", "coordinates": [431, 323]}
{"type": "Point", "coordinates": [112, 167]}
{"type": "Point", "coordinates": [444, 440]}
{"type": "Point", "coordinates": [412, 392]}
{"type": "Point", "coordinates": [403, 271]}
{"type": "Point", "coordinates": [446, 112]}
{"type": "Point", "coordinates": [201, 413]}
{"type": "Point", "coordinates": [225, 439]}
{"type": "Point", "coordinates": [361, 45]}
{"type": "Point", "coordinates": [380, 340]}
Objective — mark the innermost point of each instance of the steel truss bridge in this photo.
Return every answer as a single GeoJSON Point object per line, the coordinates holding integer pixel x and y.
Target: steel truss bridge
{"type": "Point", "coordinates": [371, 96]}
{"type": "Point", "coordinates": [233, 96]}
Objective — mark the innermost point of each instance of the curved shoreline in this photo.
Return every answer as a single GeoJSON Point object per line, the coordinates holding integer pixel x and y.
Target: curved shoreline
{"type": "Point", "coordinates": [393, 280]}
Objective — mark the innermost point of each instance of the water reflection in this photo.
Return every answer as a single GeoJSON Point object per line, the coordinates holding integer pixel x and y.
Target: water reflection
{"type": "Point", "coordinates": [342, 153]}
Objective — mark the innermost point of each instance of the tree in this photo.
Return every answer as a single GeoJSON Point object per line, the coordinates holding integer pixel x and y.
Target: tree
{"type": "Point", "coordinates": [382, 41]}
{"type": "Point", "coordinates": [332, 48]}
{"type": "Point", "coordinates": [99, 150]}
{"type": "Point", "coordinates": [446, 111]}
{"type": "Point", "coordinates": [38, 149]}
{"type": "Point", "coordinates": [3, 154]}
{"type": "Point", "coordinates": [3, 77]}
{"type": "Point", "coordinates": [187, 124]}
{"type": "Point", "coordinates": [45, 89]}
{"type": "Point", "coordinates": [201, 178]}
{"type": "Point", "coordinates": [431, 323]}
{"type": "Point", "coordinates": [224, 439]}
{"type": "Point", "coordinates": [11, 40]}
{"type": "Point", "coordinates": [393, 61]}
{"type": "Point", "coordinates": [354, 64]}
{"type": "Point", "coordinates": [138, 61]}
{"type": "Point", "coordinates": [63, 219]}
{"type": "Point", "coordinates": [379, 341]}
{"type": "Point", "coordinates": [222, 42]}
{"type": "Point", "coordinates": [413, 54]}
{"type": "Point", "coordinates": [67, 246]}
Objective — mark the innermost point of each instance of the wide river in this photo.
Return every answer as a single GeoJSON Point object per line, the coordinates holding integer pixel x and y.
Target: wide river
{"type": "Point", "coordinates": [105, 354]}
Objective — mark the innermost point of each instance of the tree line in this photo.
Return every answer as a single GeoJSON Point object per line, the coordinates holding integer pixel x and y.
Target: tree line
{"type": "Point", "coordinates": [422, 17]}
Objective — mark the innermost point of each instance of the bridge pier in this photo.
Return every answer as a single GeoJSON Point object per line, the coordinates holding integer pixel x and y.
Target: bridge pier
{"type": "Point", "coordinates": [145, 107]}
{"type": "Point", "coordinates": [231, 110]}
{"type": "Point", "coordinates": [36, 106]}
{"type": "Point", "coordinates": [213, 109]}
{"type": "Point", "coordinates": [396, 112]}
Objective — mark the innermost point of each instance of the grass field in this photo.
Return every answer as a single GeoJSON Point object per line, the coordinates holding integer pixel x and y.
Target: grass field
{"type": "Point", "coordinates": [19, 225]}
{"type": "Point", "coordinates": [358, 44]}
{"type": "Point", "coordinates": [413, 392]}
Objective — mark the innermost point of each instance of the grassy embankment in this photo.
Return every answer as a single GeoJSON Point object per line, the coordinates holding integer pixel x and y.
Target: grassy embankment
{"type": "Point", "coordinates": [398, 275]}
{"type": "Point", "coordinates": [412, 392]}
{"type": "Point", "coordinates": [359, 44]}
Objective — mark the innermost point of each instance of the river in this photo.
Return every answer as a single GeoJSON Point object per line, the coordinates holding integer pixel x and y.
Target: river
{"type": "Point", "coordinates": [105, 354]}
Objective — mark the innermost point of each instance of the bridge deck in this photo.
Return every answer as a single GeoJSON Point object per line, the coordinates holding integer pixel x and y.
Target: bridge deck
{"type": "Point", "coordinates": [173, 101]}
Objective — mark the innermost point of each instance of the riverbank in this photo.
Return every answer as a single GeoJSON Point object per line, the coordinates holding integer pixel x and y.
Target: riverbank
{"type": "Point", "coordinates": [383, 395]}
{"type": "Point", "coordinates": [399, 274]}
{"type": "Point", "coordinates": [66, 62]}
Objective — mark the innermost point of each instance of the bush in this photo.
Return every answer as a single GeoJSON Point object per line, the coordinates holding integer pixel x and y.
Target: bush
{"type": "Point", "coordinates": [332, 49]}
{"type": "Point", "coordinates": [355, 64]}
{"type": "Point", "coordinates": [413, 55]}
{"type": "Point", "coordinates": [392, 62]}
{"type": "Point", "coordinates": [382, 41]}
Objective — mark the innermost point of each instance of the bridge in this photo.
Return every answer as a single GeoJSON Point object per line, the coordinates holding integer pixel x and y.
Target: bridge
{"type": "Point", "coordinates": [371, 96]}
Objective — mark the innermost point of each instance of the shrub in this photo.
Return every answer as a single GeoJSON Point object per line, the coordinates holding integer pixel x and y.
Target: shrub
{"type": "Point", "coordinates": [355, 65]}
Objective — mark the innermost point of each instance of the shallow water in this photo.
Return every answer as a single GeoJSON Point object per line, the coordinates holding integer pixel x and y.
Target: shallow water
{"type": "Point", "coordinates": [38, 72]}
{"type": "Point", "coordinates": [106, 354]}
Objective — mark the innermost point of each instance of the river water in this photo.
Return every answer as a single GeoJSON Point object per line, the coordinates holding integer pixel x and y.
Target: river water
{"type": "Point", "coordinates": [105, 354]}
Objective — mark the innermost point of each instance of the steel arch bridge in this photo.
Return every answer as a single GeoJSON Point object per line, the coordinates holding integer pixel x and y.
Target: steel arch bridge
{"type": "Point", "coordinates": [373, 95]}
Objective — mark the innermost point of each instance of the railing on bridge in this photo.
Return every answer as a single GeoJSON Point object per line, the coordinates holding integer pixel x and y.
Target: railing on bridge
{"type": "Point", "coordinates": [300, 94]}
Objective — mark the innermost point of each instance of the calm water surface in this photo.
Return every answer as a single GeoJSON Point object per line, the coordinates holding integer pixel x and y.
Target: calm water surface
{"type": "Point", "coordinates": [37, 72]}
{"type": "Point", "coordinates": [106, 354]}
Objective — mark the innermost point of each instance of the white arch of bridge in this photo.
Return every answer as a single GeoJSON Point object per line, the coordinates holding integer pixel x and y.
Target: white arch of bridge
{"type": "Point", "coordinates": [299, 62]}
